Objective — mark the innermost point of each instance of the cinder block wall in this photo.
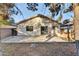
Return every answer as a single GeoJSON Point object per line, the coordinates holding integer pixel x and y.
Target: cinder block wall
{"type": "Point", "coordinates": [5, 32]}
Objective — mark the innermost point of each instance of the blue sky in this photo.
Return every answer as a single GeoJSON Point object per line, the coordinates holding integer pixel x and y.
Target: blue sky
{"type": "Point", "coordinates": [41, 10]}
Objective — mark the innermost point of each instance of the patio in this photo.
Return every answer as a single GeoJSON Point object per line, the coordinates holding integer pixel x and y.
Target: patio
{"type": "Point", "coordinates": [25, 39]}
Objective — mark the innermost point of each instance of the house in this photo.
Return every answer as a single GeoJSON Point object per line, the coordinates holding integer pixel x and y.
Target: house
{"type": "Point", "coordinates": [36, 25]}
{"type": "Point", "coordinates": [6, 31]}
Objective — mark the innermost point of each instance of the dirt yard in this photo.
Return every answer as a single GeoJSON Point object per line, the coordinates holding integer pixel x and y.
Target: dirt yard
{"type": "Point", "coordinates": [39, 49]}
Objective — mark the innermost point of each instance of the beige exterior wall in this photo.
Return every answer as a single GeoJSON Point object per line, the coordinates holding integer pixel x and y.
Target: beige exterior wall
{"type": "Point", "coordinates": [76, 22]}
{"type": "Point", "coordinates": [5, 32]}
{"type": "Point", "coordinates": [36, 23]}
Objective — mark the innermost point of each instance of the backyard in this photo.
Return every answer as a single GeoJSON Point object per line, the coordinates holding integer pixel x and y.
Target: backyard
{"type": "Point", "coordinates": [62, 18]}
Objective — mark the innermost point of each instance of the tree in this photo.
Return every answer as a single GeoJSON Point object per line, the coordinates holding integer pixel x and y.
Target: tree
{"type": "Point", "coordinates": [75, 8]}
{"type": "Point", "coordinates": [12, 22]}
{"type": "Point", "coordinates": [6, 10]}
{"type": "Point", "coordinates": [4, 22]}
{"type": "Point", "coordinates": [32, 6]}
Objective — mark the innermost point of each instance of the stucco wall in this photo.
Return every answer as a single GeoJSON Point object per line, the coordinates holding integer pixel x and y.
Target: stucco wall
{"type": "Point", "coordinates": [76, 22]}
{"type": "Point", "coordinates": [36, 23]}
{"type": "Point", "coordinates": [5, 32]}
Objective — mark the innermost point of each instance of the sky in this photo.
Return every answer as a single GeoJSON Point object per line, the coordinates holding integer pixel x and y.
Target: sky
{"type": "Point", "coordinates": [41, 10]}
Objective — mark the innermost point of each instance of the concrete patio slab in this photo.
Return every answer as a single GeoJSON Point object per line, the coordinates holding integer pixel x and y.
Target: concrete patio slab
{"type": "Point", "coordinates": [25, 39]}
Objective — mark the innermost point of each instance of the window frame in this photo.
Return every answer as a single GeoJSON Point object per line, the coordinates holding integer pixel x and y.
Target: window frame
{"type": "Point", "coordinates": [29, 28]}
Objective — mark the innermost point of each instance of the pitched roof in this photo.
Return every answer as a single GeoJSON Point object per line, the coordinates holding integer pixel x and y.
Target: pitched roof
{"type": "Point", "coordinates": [38, 15]}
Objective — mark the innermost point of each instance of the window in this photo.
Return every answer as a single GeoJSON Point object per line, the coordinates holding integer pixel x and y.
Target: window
{"type": "Point", "coordinates": [53, 27]}
{"type": "Point", "coordinates": [44, 29]}
{"type": "Point", "coordinates": [29, 28]}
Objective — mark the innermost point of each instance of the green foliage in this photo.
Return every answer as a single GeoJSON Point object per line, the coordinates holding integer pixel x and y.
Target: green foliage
{"type": "Point", "coordinates": [59, 19]}
{"type": "Point", "coordinates": [32, 6]}
{"type": "Point", "coordinates": [7, 22]}
{"type": "Point", "coordinates": [8, 9]}
{"type": "Point", "coordinates": [4, 22]}
{"type": "Point", "coordinates": [11, 21]}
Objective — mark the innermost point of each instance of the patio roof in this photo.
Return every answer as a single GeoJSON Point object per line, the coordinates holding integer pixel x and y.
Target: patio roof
{"type": "Point", "coordinates": [7, 26]}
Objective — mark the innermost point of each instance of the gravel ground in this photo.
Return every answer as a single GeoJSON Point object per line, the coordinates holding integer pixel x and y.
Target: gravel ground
{"type": "Point", "coordinates": [39, 49]}
{"type": "Point", "coordinates": [1, 50]}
